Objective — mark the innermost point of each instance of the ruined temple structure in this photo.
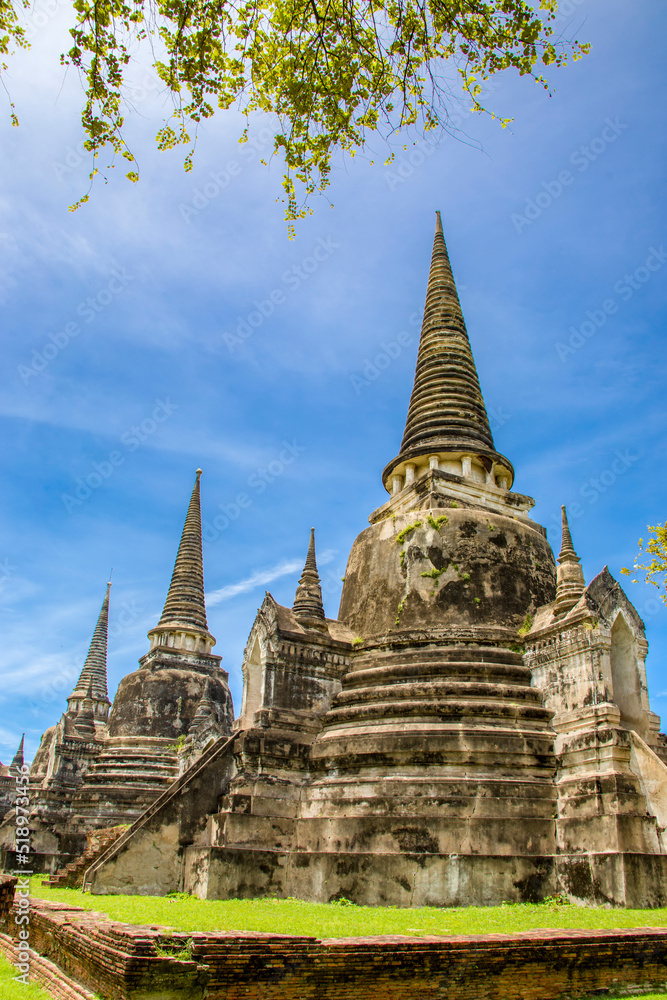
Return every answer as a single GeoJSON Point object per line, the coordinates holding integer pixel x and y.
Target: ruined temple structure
{"type": "Point", "coordinates": [102, 765]}
{"type": "Point", "coordinates": [8, 776]}
{"type": "Point", "coordinates": [474, 727]}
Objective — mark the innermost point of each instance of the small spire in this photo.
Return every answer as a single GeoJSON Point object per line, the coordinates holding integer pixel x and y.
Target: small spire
{"type": "Point", "coordinates": [185, 607]}
{"type": "Point", "coordinates": [204, 708]}
{"type": "Point", "coordinates": [446, 414]}
{"type": "Point", "coordinates": [94, 672]}
{"type": "Point", "coordinates": [566, 548]}
{"type": "Point", "coordinates": [17, 761]}
{"type": "Point", "coordinates": [85, 720]}
{"type": "Point", "coordinates": [570, 578]}
{"type": "Point", "coordinates": [308, 607]}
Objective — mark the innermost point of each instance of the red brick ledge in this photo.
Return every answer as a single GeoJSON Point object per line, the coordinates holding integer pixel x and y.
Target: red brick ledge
{"type": "Point", "coordinates": [48, 975]}
{"type": "Point", "coordinates": [128, 962]}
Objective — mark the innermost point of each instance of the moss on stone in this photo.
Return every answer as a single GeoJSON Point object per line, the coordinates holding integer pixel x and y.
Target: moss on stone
{"type": "Point", "coordinates": [402, 535]}
{"type": "Point", "coordinates": [435, 573]}
{"type": "Point", "coordinates": [527, 625]}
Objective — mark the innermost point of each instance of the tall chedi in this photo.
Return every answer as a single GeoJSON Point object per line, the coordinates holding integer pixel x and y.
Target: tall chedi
{"type": "Point", "coordinates": [93, 675]}
{"type": "Point", "coordinates": [398, 755]}
{"type": "Point", "coordinates": [67, 749]}
{"type": "Point", "coordinates": [155, 706]}
{"type": "Point", "coordinates": [435, 761]}
{"type": "Point", "coordinates": [66, 752]}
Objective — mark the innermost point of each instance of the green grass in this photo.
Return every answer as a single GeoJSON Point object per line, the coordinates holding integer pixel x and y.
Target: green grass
{"type": "Point", "coordinates": [323, 920]}
{"type": "Point", "coordinates": [9, 990]}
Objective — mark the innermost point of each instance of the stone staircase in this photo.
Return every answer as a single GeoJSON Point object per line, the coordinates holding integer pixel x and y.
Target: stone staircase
{"type": "Point", "coordinates": [71, 876]}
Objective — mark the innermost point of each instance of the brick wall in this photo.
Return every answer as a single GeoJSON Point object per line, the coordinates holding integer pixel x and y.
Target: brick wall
{"type": "Point", "coordinates": [7, 887]}
{"type": "Point", "coordinates": [125, 962]}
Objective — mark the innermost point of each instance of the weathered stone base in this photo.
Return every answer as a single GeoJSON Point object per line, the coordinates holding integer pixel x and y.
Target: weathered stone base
{"type": "Point", "coordinates": [635, 881]}
{"type": "Point", "coordinates": [624, 880]}
{"type": "Point", "coordinates": [367, 879]}
{"type": "Point", "coordinates": [39, 863]}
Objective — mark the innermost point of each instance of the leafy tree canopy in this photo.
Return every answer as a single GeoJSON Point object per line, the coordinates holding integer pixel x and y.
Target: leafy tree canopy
{"type": "Point", "coordinates": [654, 565]}
{"type": "Point", "coordinates": [331, 71]}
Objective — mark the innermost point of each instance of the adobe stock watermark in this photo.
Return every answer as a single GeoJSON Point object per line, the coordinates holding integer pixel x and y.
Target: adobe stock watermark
{"type": "Point", "coordinates": [219, 180]}
{"type": "Point", "coordinates": [581, 158]}
{"type": "Point", "coordinates": [291, 279]}
{"type": "Point", "coordinates": [389, 351]}
{"type": "Point", "coordinates": [75, 156]}
{"type": "Point", "coordinates": [130, 439]}
{"type": "Point", "coordinates": [39, 15]}
{"type": "Point", "coordinates": [566, 8]}
{"type": "Point", "coordinates": [596, 486]}
{"type": "Point", "coordinates": [257, 482]}
{"type": "Point", "coordinates": [403, 167]}
{"type": "Point", "coordinates": [497, 417]}
{"type": "Point", "coordinates": [6, 571]}
{"type": "Point", "coordinates": [22, 891]}
{"type": "Point", "coordinates": [624, 288]}
{"type": "Point", "coordinates": [651, 607]}
{"type": "Point", "coordinates": [125, 615]}
{"type": "Point", "coordinates": [87, 310]}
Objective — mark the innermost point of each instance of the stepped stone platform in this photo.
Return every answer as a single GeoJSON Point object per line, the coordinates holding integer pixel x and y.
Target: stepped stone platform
{"type": "Point", "coordinates": [71, 876]}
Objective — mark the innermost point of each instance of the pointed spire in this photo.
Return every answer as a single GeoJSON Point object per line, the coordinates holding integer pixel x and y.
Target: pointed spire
{"type": "Point", "coordinates": [17, 761]}
{"type": "Point", "coordinates": [567, 552]}
{"type": "Point", "coordinates": [94, 672]}
{"type": "Point", "coordinates": [308, 607]}
{"type": "Point", "coordinates": [185, 607]}
{"type": "Point", "coordinates": [447, 415]}
{"type": "Point", "coordinates": [570, 578]}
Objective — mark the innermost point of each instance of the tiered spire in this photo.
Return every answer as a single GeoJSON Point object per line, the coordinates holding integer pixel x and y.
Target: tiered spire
{"type": "Point", "coordinates": [308, 606]}
{"type": "Point", "coordinates": [17, 760]}
{"type": "Point", "coordinates": [447, 415]}
{"type": "Point", "coordinates": [93, 675]}
{"type": "Point", "coordinates": [185, 608]}
{"type": "Point", "coordinates": [570, 579]}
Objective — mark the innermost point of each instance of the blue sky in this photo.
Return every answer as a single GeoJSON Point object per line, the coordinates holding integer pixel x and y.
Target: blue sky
{"type": "Point", "coordinates": [147, 293]}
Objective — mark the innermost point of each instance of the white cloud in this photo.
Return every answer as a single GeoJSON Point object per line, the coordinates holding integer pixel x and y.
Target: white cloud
{"type": "Point", "coordinates": [256, 580]}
